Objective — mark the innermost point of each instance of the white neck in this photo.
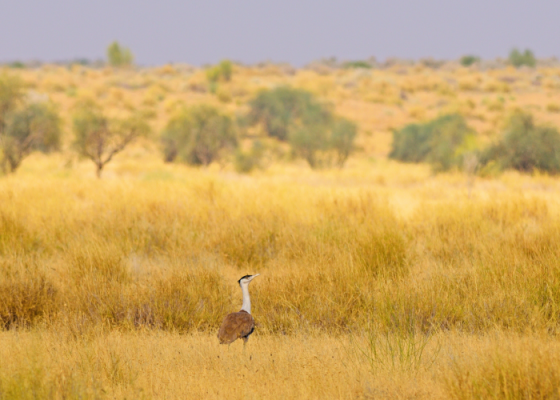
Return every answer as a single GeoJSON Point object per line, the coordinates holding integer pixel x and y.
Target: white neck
{"type": "Point", "coordinates": [246, 299]}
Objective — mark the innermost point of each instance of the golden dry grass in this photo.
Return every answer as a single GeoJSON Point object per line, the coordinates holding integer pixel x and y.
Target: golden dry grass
{"type": "Point", "coordinates": [379, 280]}
{"type": "Point", "coordinates": [162, 365]}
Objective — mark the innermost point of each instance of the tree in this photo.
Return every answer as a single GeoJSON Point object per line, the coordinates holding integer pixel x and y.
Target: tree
{"type": "Point", "coordinates": [24, 126]}
{"type": "Point", "coordinates": [311, 128]}
{"type": "Point", "coordinates": [411, 143]}
{"type": "Point", "coordinates": [442, 142]}
{"type": "Point", "coordinates": [226, 70]}
{"type": "Point", "coordinates": [309, 137]}
{"type": "Point", "coordinates": [342, 139]}
{"type": "Point", "coordinates": [99, 138]}
{"type": "Point", "coordinates": [11, 95]}
{"type": "Point", "coordinates": [198, 135]}
{"type": "Point", "coordinates": [526, 146]}
{"type": "Point", "coordinates": [277, 109]}
{"type": "Point", "coordinates": [518, 59]}
{"type": "Point", "coordinates": [451, 138]}
{"type": "Point", "coordinates": [322, 139]}
{"type": "Point", "coordinates": [357, 64]}
{"type": "Point", "coordinates": [219, 72]}
{"type": "Point", "coordinates": [468, 60]}
{"type": "Point", "coordinates": [33, 127]}
{"type": "Point", "coordinates": [119, 56]}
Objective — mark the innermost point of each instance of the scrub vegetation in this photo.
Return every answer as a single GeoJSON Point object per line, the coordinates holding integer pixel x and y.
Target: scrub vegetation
{"type": "Point", "coordinates": [388, 270]}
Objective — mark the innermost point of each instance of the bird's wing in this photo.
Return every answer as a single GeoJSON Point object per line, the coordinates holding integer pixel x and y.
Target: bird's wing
{"type": "Point", "coordinates": [246, 323]}
{"type": "Point", "coordinates": [235, 326]}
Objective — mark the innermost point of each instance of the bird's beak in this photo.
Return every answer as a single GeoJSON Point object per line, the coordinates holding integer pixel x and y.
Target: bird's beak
{"type": "Point", "coordinates": [254, 276]}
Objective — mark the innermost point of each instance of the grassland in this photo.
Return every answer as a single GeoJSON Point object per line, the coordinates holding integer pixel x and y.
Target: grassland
{"type": "Point", "coordinates": [378, 280]}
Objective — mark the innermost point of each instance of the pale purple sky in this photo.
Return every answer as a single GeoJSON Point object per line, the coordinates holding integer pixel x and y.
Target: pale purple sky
{"type": "Point", "coordinates": [295, 31]}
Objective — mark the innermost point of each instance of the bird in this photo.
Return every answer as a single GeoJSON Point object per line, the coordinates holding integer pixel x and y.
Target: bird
{"type": "Point", "coordinates": [239, 325]}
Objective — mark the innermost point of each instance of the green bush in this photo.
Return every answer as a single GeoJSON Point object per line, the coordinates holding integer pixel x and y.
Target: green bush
{"type": "Point", "coordinates": [310, 127]}
{"type": "Point", "coordinates": [441, 142]}
{"type": "Point", "coordinates": [411, 143]}
{"type": "Point", "coordinates": [309, 136]}
{"type": "Point", "coordinates": [198, 135]}
{"type": "Point", "coordinates": [357, 64]}
{"type": "Point", "coordinates": [11, 95]}
{"type": "Point", "coordinates": [245, 162]}
{"type": "Point", "coordinates": [526, 146]}
{"type": "Point", "coordinates": [24, 126]}
{"type": "Point", "coordinates": [220, 72]}
{"type": "Point", "coordinates": [518, 59]}
{"type": "Point", "coordinates": [277, 109]}
{"type": "Point", "coordinates": [34, 127]}
{"type": "Point", "coordinates": [468, 60]}
{"type": "Point", "coordinates": [342, 138]}
{"type": "Point", "coordinates": [119, 56]}
{"type": "Point", "coordinates": [226, 70]}
{"type": "Point", "coordinates": [323, 140]}
{"type": "Point", "coordinates": [16, 65]}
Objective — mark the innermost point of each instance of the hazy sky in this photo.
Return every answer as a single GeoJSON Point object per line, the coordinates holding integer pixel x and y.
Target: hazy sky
{"type": "Point", "coordinates": [296, 31]}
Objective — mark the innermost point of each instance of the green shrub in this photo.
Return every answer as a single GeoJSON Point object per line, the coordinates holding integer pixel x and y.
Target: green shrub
{"type": "Point", "coordinates": [342, 138]}
{"type": "Point", "coordinates": [526, 146]}
{"type": "Point", "coordinates": [245, 162]}
{"type": "Point", "coordinates": [441, 142]}
{"type": "Point", "coordinates": [310, 127]}
{"type": "Point", "coordinates": [277, 109]}
{"type": "Point", "coordinates": [468, 60]}
{"type": "Point", "coordinates": [309, 137]}
{"type": "Point", "coordinates": [16, 65]}
{"type": "Point", "coordinates": [226, 69]}
{"type": "Point", "coordinates": [33, 127]}
{"type": "Point", "coordinates": [357, 64]}
{"type": "Point", "coordinates": [119, 56]}
{"type": "Point", "coordinates": [24, 126]}
{"type": "Point", "coordinates": [220, 72]}
{"type": "Point", "coordinates": [411, 143]}
{"type": "Point", "coordinates": [518, 59]}
{"type": "Point", "coordinates": [82, 61]}
{"type": "Point", "coordinates": [198, 135]}
{"type": "Point", "coordinates": [11, 95]}
{"type": "Point", "coordinates": [322, 139]}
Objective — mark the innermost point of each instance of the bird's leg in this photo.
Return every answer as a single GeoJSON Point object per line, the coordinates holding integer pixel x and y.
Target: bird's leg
{"type": "Point", "coordinates": [244, 344]}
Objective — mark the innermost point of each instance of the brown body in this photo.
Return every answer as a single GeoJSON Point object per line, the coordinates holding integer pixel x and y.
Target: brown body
{"type": "Point", "coordinates": [237, 325]}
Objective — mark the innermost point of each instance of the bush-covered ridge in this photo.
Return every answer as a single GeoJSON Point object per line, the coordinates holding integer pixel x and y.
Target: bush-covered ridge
{"type": "Point", "coordinates": [365, 106]}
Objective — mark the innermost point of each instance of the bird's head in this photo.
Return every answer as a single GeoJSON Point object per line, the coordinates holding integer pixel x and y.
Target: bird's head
{"type": "Point", "coordinates": [246, 279]}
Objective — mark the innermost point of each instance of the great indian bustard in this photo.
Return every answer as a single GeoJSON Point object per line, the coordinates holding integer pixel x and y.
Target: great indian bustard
{"type": "Point", "coordinates": [239, 325]}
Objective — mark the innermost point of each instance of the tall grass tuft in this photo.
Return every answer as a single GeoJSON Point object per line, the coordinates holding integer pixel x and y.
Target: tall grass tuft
{"type": "Point", "coordinates": [404, 351]}
{"type": "Point", "coordinates": [26, 300]}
